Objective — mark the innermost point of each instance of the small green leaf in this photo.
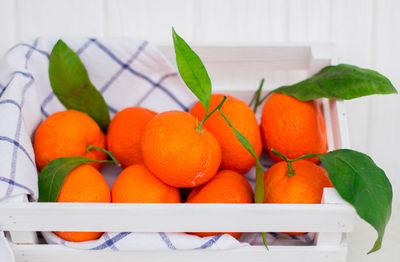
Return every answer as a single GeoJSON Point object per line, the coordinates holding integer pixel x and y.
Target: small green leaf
{"type": "Point", "coordinates": [340, 82]}
{"type": "Point", "coordinates": [363, 184]}
{"type": "Point", "coordinates": [71, 84]}
{"type": "Point", "coordinates": [54, 173]}
{"type": "Point", "coordinates": [192, 70]}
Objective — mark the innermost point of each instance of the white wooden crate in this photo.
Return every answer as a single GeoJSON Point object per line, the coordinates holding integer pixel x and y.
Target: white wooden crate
{"type": "Point", "coordinates": [234, 70]}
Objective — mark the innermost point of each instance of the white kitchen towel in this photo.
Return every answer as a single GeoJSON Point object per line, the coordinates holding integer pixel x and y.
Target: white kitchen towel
{"type": "Point", "coordinates": [127, 72]}
{"type": "Point", "coordinates": [149, 241]}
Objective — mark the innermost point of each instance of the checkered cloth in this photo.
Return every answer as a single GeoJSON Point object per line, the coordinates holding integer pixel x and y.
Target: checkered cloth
{"type": "Point", "coordinates": [128, 73]}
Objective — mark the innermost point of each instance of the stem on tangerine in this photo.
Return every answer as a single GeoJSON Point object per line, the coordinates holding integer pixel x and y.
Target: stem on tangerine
{"type": "Point", "coordinates": [198, 127]}
{"type": "Point", "coordinates": [109, 153]}
{"type": "Point", "coordinates": [289, 161]}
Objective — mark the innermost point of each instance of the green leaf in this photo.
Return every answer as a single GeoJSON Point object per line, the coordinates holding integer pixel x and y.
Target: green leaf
{"type": "Point", "coordinates": [256, 100]}
{"type": "Point", "coordinates": [259, 189]}
{"type": "Point", "coordinates": [54, 173]}
{"type": "Point", "coordinates": [340, 82]}
{"type": "Point", "coordinates": [363, 184]}
{"type": "Point", "coordinates": [71, 84]}
{"type": "Point", "coordinates": [192, 70]}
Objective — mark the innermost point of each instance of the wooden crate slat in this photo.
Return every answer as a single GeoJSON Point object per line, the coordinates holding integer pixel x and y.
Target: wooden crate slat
{"type": "Point", "coordinates": [177, 217]}
{"type": "Point", "coordinates": [47, 253]}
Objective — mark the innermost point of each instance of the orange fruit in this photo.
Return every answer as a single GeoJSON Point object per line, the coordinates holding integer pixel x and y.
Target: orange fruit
{"type": "Point", "coordinates": [65, 134]}
{"type": "Point", "coordinates": [177, 153]}
{"type": "Point", "coordinates": [124, 134]}
{"type": "Point", "coordinates": [225, 187]}
{"type": "Point", "coordinates": [234, 155]}
{"type": "Point", "coordinates": [304, 187]}
{"type": "Point", "coordinates": [136, 184]}
{"type": "Point", "coordinates": [83, 184]}
{"type": "Point", "coordinates": [292, 127]}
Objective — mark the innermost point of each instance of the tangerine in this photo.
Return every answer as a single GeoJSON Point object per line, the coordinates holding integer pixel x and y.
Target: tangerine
{"type": "Point", "coordinates": [177, 153]}
{"type": "Point", "coordinates": [125, 132]}
{"type": "Point", "coordinates": [83, 184]}
{"type": "Point", "coordinates": [136, 184]}
{"type": "Point", "coordinates": [292, 127]}
{"type": "Point", "coordinates": [234, 155]}
{"type": "Point", "coordinates": [225, 187]}
{"type": "Point", "coordinates": [304, 187]}
{"type": "Point", "coordinates": [67, 133]}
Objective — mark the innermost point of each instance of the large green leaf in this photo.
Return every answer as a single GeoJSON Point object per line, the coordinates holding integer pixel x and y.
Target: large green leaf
{"type": "Point", "coordinates": [364, 185]}
{"type": "Point", "coordinates": [340, 82]}
{"type": "Point", "coordinates": [71, 84]}
{"type": "Point", "coordinates": [54, 173]}
{"type": "Point", "coordinates": [192, 70]}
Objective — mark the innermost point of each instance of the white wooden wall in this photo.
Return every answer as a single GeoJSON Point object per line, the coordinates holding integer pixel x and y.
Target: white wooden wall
{"type": "Point", "coordinates": [366, 33]}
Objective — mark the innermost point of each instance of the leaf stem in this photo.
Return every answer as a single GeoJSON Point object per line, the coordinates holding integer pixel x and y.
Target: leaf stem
{"type": "Point", "coordinates": [198, 128]}
{"type": "Point", "coordinates": [259, 188]}
{"type": "Point", "coordinates": [109, 153]}
{"type": "Point", "coordinates": [304, 156]}
{"type": "Point", "coordinates": [256, 97]}
{"type": "Point", "coordinates": [264, 237]}
{"type": "Point", "coordinates": [289, 161]}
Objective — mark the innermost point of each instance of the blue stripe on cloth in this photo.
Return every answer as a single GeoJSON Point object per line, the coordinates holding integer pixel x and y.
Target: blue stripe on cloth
{"type": "Point", "coordinates": [12, 75]}
{"type": "Point", "coordinates": [83, 48]}
{"type": "Point", "coordinates": [28, 75]}
{"type": "Point", "coordinates": [166, 240]}
{"type": "Point", "coordinates": [210, 242]}
{"type": "Point", "coordinates": [10, 101]}
{"type": "Point", "coordinates": [127, 66]}
{"type": "Point", "coordinates": [11, 182]}
{"type": "Point", "coordinates": [30, 47]}
{"type": "Point", "coordinates": [191, 105]}
{"type": "Point", "coordinates": [112, 109]}
{"type": "Point", "coordinates": [16, 138]}
{"type": "Point", "coordinates": [29, 53]}
{"type": "Point", "coordinates": [45, 102]}
{"type": "Point", "coordinates": [151, 90]}
{"type": "Point", "coordinates": [4, 88]}
{"type": "Point", "coordinates": [119, 72]}
{"type": "Point", "coordinates": [107, 238]}
{"type": "Point", "coordinates": [20, 147]}
{"type": "Point", "coordinates": [111, 241]}
{"type": "Point", "coordinates": [179, 103]}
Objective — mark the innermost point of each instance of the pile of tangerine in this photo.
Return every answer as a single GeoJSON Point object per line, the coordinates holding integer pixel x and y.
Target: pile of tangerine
{"type": "Point", "coordinates": [168, 159]}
